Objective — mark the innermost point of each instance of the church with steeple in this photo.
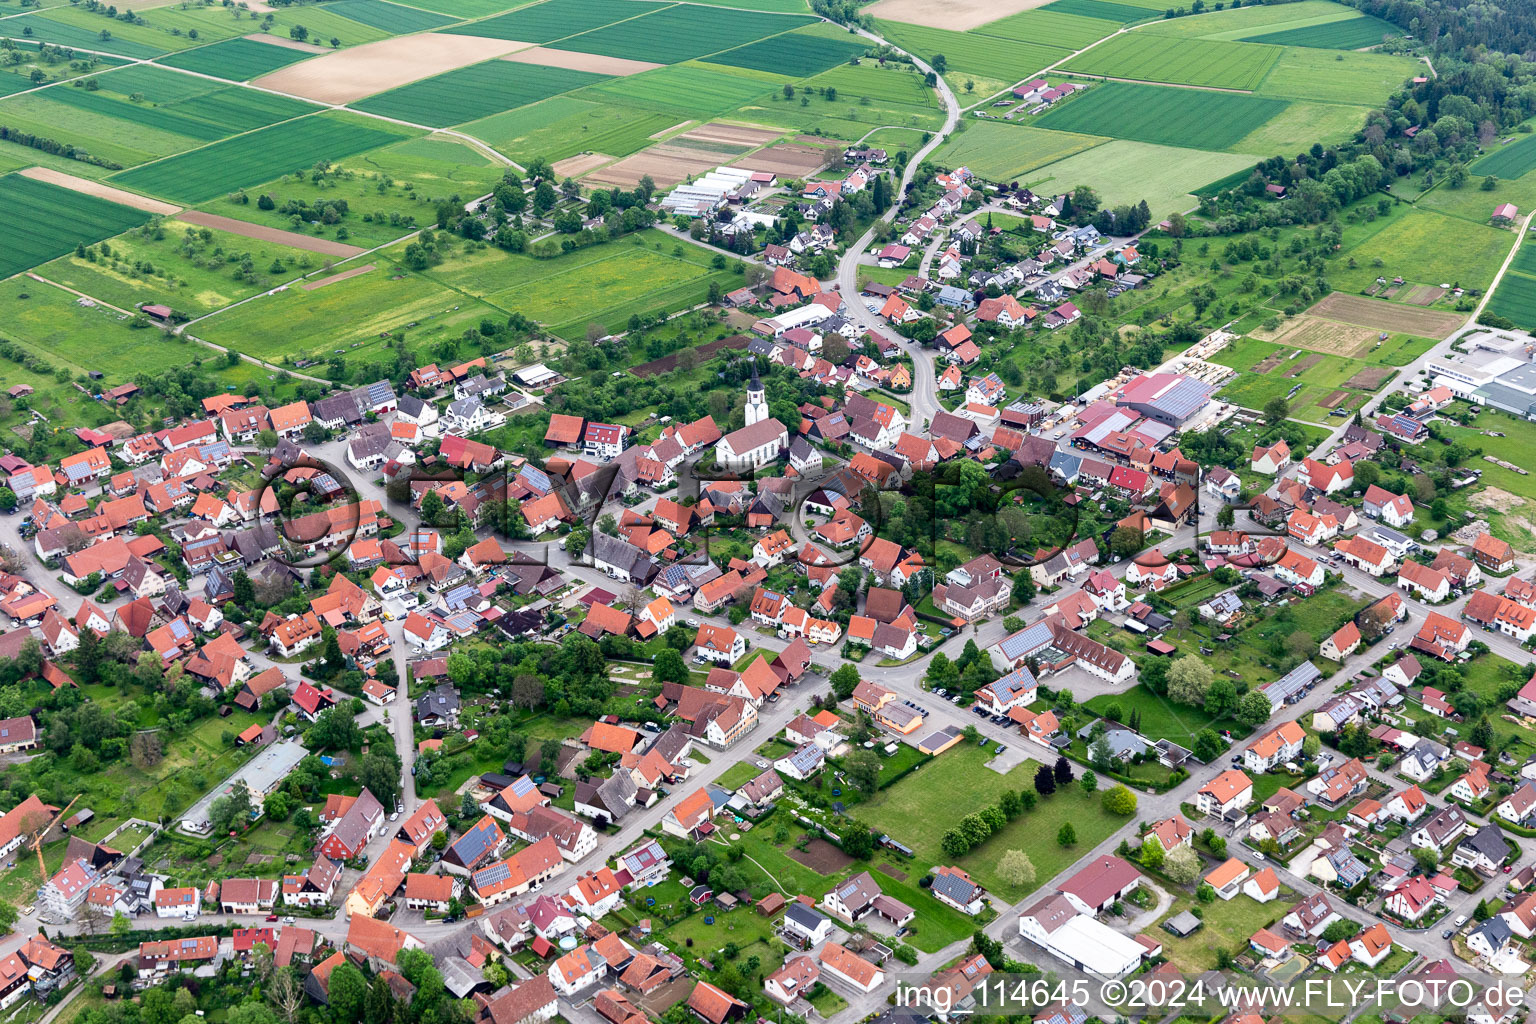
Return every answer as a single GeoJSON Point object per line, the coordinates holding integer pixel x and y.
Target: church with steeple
{"type": "Point", "coordinates": [761, 441]}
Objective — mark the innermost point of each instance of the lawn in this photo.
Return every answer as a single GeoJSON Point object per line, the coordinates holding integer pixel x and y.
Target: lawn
{"type": "Point", "coordinates": [1343, 34]}
{"type": "Point", "coordinates": [801, 52]}
{"type": "Point", "coordinates": [738, 775]}
{"type": "Point", "coordinates": [259, 156]}
{"type": "Point", "coordinates": [1355, 78]}
{"type": "Point", "coordinates": [47, 221]}
{"type": "Point", "coordinates": [1150, 113]}
{"type": "Point", "coordinates": [1412, 247]}
{"type": "Point", "coordinates": [555, 19]}
{"type": "Point", "coordinates": [909, 812]}
{"type": "Point", "coordinates": [1128, 172]}
{"type": "Point", "coordinates": [1147, 57]}
{"type": "Point", "coordinates": [474, 92]}
{"type": "Point", "coordinates": [564, 126]}
{"type": "Point", "coordinates": [680, 33]}
{"type": "Point", "coordinates": [1228, 925]}
{"type": "Point", "coordinates": [1510, 160]}
{"type": "Point", "coordinates": [1161, 719]}
{"type": "Point", "coordinates": [995, 57]}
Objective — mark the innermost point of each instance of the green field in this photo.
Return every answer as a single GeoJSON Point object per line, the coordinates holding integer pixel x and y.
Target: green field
{"type": "Point", "coordinates": [155, 84]}
{"type": "Point", "coordinates": [392, 18]}
{"type": "Point", "coordinates": [1149, 113]}
{"type": "Point", "coordinates": [1002, 152]}
{"type": "Point", "coordinates": [1009, 60]}
{"type": "Point", "coordinates": [1147, 57]}
{"type": "Point", "coordinates": [108, 138]}
{"type": "Point", "coordinates": [1051, 25]}
{"type": "Point", "coordinates": [1509, 161]}
{"type": "Point", "coordinates": [239, 60]}
{"type": "Point", "coordinates": [1104, 10]}
{"type": "Point", "coordinates": [796, 54]}
{"type": "Point", "coordinates": [555, 19]}
{"type": "Point", "coordinates": [1413, 247]}
{"type": "Point", "coordinates": [1256, 19]}
{"type": "Point", "coordinates": [474, 92]}
{"type": "Point", "coordinates": [252, 159]}
{"type": "Point", "coordinates": [45, 221]}
{"type": "Point", "coordinates": [465, 8]}
{"type": "Point", "coordinates": [1357, 78]}
{"type": "Point", "coordinates": [205, 118]}
{"type": "Point", "coordinates": [54, 325]}
{"type": "Point", "coordinates": [680, 33]}
{"type": "Point", "coordinates": [1128, 172]}
{"type": "Point", "coordinates": [687, 90]}
{"type": "Point", "coordinates": [564, 126]}
{"type": "Point", "coordinates": [1515, 298]}
{"type": "Point", "coordinates": [866, 96]}
{"type": "Point", "coordinates": [1343, 34]}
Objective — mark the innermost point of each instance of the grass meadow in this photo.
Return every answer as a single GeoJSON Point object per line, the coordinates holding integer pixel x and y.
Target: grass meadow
{"type": "Point", "coordinates": [680, 33]}
{"type": "Point", "coordinates": [1343, 34]}
{"type": "Point", "coordinates": [1052, 26]}
{"type": "Point", "coordinates": [968, 52]}
{"type": "Point", "coordinates": [1413, 247]}
{"type": "Point", "coordinates": [1127, 172]}
{"type": "Point", "coordinates": [685, 90]}
{"type": "Point", "coordinates": [563, 126]}
{"type": "Point", "coordinates": [1508, 161]}
{"type": "Point", "coordinates": [1257, 19]}
{"type": "Point", "coordinates": [1333, 77]}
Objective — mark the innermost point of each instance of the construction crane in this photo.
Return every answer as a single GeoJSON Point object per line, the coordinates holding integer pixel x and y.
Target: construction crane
{"type": "Point", "coordinates": [37, 844]}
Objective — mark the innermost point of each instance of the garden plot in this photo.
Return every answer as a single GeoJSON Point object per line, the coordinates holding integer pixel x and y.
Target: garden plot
{"type": "Point", "coordinates": [349, 75]}
{"type": "Point", "coordinates": [666, 164]}
{"type": "Point", "coordinates": [790, 160]}
{"type": "Point", "coordinates": [731, 134]}
{"type": "Point", "coordinates": [576, 166]}
{"type": "Point", "coordinates": [1386, 316]}
{"type": "Point", "coordinates": [1319, 335]}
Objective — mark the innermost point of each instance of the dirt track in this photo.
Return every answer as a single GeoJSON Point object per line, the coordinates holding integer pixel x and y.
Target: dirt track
{"type": "Point", "coordinates": [97, 189]}
{"type": "Point", "coordinates": [289, 44]}
{"type": "Point", "coordinates": [292, 239]}
{"type": "Point", "coordinates": [310, 286]}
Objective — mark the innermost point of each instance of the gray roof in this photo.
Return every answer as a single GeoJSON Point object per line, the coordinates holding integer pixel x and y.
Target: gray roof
{"type": "Point", "coordinates": [961, 890]}
{"type": "Point", "coordinates": [804, 916]}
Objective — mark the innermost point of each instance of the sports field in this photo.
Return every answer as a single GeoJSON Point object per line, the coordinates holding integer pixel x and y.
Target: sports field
{"type": "Point", "coordinates": [1215, 64]}
{"type": "Point", "coordinates": [474, 92]}
{"type": "Point", "coordinates": [680, 33]}
{"type": "Point", "coordinates": [1150, 113]}
{"type": "Point", "coordinates": [1127, 172]}
{"type": "Point", "coordinates": [45, 221]}
{"type": "Point", "coordinates": [1004, 152]}
{"type": "Point", "coordinates": [257, 157]}
{"type": "Point", "coordinates": [563, 126]}
{"type": "Point", "coordinates": [392, 18]}
{"type": "Point", "coordinates": [993, 56]}
{"type": "Point", "coordinates": [1515, 298]}
{"type": "Point", "coordinates": [797, 54]}
{"type": "Point", "coordinates": [239, 60]}
{"type": "Point", "coordinates": [1358, 78]}
{"type": "Point", "coordinates": [1509, 161]}
{"type": "Point", "coordinates": [555, 19]}
{"type": "Point", "coordinates": [1343, 34]}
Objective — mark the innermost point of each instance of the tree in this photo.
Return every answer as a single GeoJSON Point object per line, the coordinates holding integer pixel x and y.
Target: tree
{"type": "Point", "coordinates": [1125, 541]}
{"type": "Point", "coordinates": [1220, 698]}
{"type": "Point", "coordinates": [863, 770]}
{"type": "Point", "coordinates": [1182, 865]}
{"type": "Point", "coordinates": [1253, 708]}
{"type": "Point", "coordinates": [1045, 781]}
{"type": "Point", "coordinates": [858, 841]}
{"type": "Point", "coordinates": [1063, 771]}
{"type": "Point", "coordinates": [1311, 745]}
{"type": "Point", "coordinates": [1426, 858]}
{"type": "Point", "coordinates": [1276, 410]}
{"type": "Point", "coordinates": [1119, 800]}
{"type": "Point", "coordinates": [8, 500]}
{"type": "Point", "coordinates": [843, 681]}
{"type": "Point", "coordinates": [1481, 911]}
{"type": "Point", "coordinates": [1208, 745]}
{"type": "Point", "coordinates": [1152, 853]}
{"type": "Point", "coordinates": [1225, 516]}
{"type": "Point", "coordinates": [669, 667]}
{"type": "Point", "coordinates": [1089, 782]}
{"type": "Point", "coordinates": [1066, 835]}
{"type": "Point", "coordinates": [1188, 679]}
{"type": "Point", "coordinates": [228, 812]}
{"type": "Point", "coordinates": [347, 991]}
{"type": "Point", "coordinates": [1482, 733]}
{"type": "Point", "coordinates": [1016, 869]}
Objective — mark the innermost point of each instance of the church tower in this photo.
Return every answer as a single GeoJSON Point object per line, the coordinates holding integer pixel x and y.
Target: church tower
{"type": "Point", "coordinates": [757, 401]}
